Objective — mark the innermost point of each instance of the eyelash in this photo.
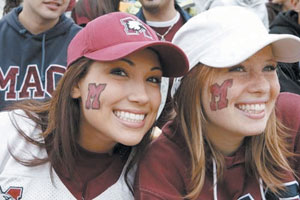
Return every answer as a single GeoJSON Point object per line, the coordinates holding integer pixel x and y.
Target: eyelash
{"type": "Point", "coordinates": [155, 80]}
{"type": "Point", "coordinates": [242, 69]}
{"type": "Point", "coordinates": [118, 72]}
{"type": "Point", "coordinates": [122, 72]}
{"type": "Point", "coordinates": [270, 68]}
{"type": "Point", "coordinates": [237, 69]}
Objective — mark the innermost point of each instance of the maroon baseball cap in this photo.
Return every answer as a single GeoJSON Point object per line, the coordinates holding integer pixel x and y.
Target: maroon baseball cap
{"type": "Point", "coordinates": [116, 35]}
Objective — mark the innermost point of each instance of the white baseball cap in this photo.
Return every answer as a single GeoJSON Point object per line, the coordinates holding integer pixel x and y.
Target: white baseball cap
{"type": "Point", "coordinates": [228, 35]}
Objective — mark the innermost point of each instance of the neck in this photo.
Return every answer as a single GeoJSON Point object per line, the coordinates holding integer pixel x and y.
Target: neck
{"type": "Point", "coordinates": [226, 143]}
{"type": "Point", "coordinates": [161, 15]}
{"type": "Point", "coordinates": [95, 142]}
{"type": "Point", "coordinates": [33, 24]}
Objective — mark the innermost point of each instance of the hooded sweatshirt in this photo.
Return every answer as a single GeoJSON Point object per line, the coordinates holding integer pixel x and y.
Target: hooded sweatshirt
{"type": "Point", "coordinates": [31, 65]}
{"type": "Point", "coordinates": [286, 23]}
{"type": "Point", "coordinates": [288, 73]}
{"type": "Point", "coordinates": [164, 171]}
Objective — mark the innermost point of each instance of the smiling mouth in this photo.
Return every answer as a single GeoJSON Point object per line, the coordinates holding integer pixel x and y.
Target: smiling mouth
{"type": "Point", "coordinates": [130, 117]}
{"type": "Point", "coordinates": [53, 3]}
{"type": "Point", "coordinates": [252, 108]}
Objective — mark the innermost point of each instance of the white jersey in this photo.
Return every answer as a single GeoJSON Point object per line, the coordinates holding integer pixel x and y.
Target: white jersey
{"type": "Point", "coordinates": [19, 182]}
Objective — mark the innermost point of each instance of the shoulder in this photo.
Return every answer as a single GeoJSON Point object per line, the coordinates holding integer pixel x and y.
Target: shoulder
{"type": "Point", "coordinates": [283, 24]}
{"type": "Point", "coordinates": [184, 14]}
{"type": "Point", "coordinates": [162, 172]}
{"type": "Point", "coordinates": [10, 124]}
{"type": "Point", "coordinates": [12, 121]}
{"type": "Point", "coordinates": [170, 142]}
{"type": "Point", "coordinates": [68, 25]}
{"type": "Point", "coordinates": [75, 28]}
{"type": "Point", "coordinates": [8, 117]}
{"type": "Point", "coordinates": [288, 106]}
{"type": "Point", "coordinates": [287, 111]}
{"type": "Point", "coordinates": [10, 18]}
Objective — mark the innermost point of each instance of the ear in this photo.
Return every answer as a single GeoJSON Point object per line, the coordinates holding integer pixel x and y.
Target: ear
{"type": "Point", "coordinates": [75, 93]}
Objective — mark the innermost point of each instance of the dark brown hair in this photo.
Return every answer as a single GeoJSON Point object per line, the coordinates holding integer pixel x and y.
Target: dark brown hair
{"type": "Point", "coordinates": [10, 4]}
{"type": "Point", "coordinates": [92, 9]}
{"type": "Point", "coordinates": [59, 118]}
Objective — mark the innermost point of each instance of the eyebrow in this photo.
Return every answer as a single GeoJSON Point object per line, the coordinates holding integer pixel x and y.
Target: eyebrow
{"type": "Point", "coordinates": [132, 64]}
{"type": "Point", "coordinates": [128, 61]}
{"type": "Point", "coordinates": [270, 61]}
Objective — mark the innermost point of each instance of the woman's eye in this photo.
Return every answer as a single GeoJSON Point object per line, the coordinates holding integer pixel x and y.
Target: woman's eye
{"type": "Point", "coordinates": [156, 80]}
{"type": "Point", "coordinates": [237, 69]}
{"type": "Point", "coordinates": [269, 68]}
{"type": "Point", "coordinates": [118, 71]}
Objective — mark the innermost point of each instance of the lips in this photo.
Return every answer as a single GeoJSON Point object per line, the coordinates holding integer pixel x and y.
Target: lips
{"type": "Point", "coordinates": [53, 5]}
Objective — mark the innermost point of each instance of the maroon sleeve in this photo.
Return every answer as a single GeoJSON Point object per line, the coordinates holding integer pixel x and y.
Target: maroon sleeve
{"type": "Point", "coordinates": [288, 111]}
{"type": "Point", "coordinates": [161, 172]}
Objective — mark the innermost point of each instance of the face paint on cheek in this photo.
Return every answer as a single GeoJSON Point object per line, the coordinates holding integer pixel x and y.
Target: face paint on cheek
{"type": "Point", "coordinates": [92, 101]}
{"type": "Point", "coordinates": [219, 95]}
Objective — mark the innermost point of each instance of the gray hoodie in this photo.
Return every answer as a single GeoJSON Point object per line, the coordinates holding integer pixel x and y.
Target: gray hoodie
{"type": "Point", "coordinates": [31, 65]}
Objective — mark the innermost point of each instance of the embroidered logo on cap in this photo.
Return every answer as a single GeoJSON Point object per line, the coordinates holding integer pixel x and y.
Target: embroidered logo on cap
{"type": "Point", "coordinates": [12, 193]}
{"type": "Point", "coordinates": [135, 27]}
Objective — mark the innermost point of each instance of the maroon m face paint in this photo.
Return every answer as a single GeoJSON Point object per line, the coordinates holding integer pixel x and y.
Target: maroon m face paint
{"type": "Point", "coordinates": [93, 98]}
{"type": "Point", "coordinates": [219, 95]}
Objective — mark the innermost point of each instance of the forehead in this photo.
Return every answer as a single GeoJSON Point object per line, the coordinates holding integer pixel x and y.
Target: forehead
{"type": "Point", "coordinates": [260, 58]}
{"type": "Point", "coordinates": [263, 55]}
{"type": "Point", "coordinates": [147, 55]}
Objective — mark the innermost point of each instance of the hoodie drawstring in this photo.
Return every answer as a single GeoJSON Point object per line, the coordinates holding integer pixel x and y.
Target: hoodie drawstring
{"type": "Point", "coordinates": [261, 189]}
{"type": "Point", "coordinates": [215, 179]}
{"type": "Point", "coordinates": [43, 57]}
{"type": "Point", "coordinates": [215, 182]}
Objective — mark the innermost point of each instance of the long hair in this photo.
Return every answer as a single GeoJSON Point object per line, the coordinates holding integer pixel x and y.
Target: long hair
{"type": "Point", "coordinates": [10, 4]}
{"type": "Point", "coordinates": [51, 117]}
{"type": "Point", "coordinates": [266, 154]}
{"type": "Point", "coordinates": [91, 9]}
{"type": "Point", "coordinates": [59, 120]}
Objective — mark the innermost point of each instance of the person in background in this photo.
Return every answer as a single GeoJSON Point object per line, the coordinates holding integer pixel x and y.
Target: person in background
{"type": "Point", "coordinates": [288, 23]}
{"type": "Point", "coordinates": [257, 6]}
{"type": "Point", "coordinates": [34, 38]}
{"type": "Point", "coordinates": [84, 142]}
{"type": "Point", "coordinates": [165, 17]}
{"type": "Point", "coordinates": [274, 7]}
{"type": "Point", "coordinates": [234, 135]}
{"type": "Point", "coordinates": [10, 4]}
{"type": "Point", "coordinates": [87, 10]}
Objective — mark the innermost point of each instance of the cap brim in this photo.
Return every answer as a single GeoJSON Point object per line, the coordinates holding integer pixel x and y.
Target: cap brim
{"type": "Point", "coordinates": [285, 48]}
{"type": "Point", "coordinates": [174, 61]}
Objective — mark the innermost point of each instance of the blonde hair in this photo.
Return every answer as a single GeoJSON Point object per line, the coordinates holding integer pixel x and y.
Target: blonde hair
{"type": "Point", "coordinates": [266, 154]}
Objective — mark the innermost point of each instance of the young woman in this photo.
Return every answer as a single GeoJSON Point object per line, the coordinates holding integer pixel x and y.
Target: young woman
{"type": "Point", "coordinates": [85, 141]}
{"type": "Point", "coordinates": [234, 136]}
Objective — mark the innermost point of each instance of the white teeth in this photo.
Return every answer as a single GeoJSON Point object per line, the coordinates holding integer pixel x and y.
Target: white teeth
{"type": "Point", "coordinates": [252, 108]}
{"type": "Point", "coordinates": [130, 117]}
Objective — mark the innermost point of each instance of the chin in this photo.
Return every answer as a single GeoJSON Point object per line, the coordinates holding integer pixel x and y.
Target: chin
{"type": "Point", "coordinates": [256, 131]}
{"type": "Point", "coordinates": [131, 142]}
{"type": "Point", "coordinates": [51, 15]}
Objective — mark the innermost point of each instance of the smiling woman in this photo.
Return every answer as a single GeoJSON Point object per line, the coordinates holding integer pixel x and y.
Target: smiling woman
{"type": "Point", "coordinates": [234, 135]}
{"type": "Point", "coordinates": [84, 143]}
